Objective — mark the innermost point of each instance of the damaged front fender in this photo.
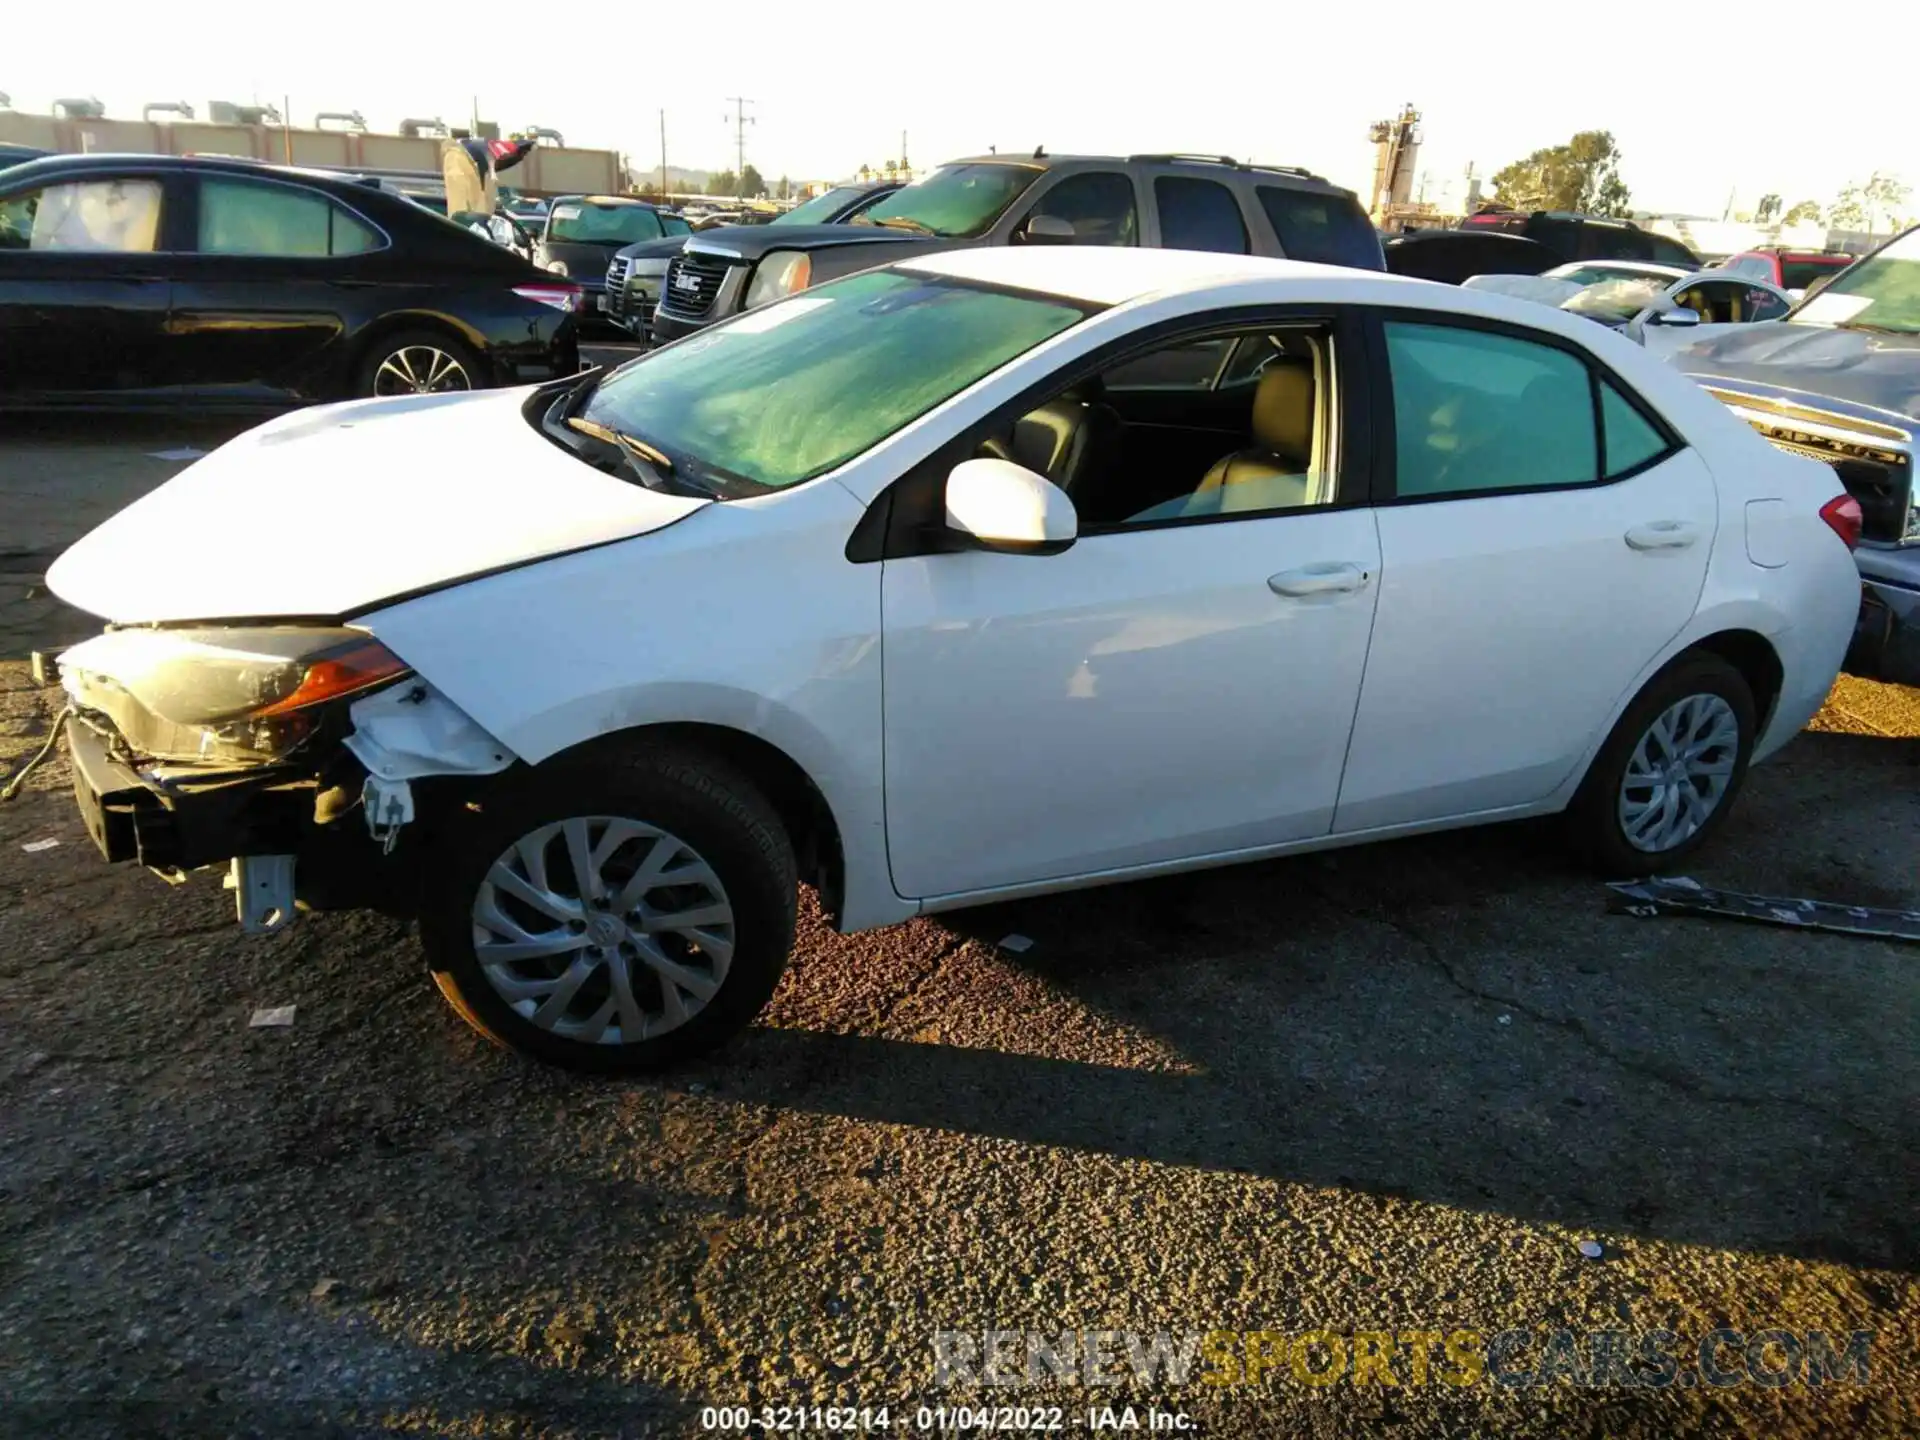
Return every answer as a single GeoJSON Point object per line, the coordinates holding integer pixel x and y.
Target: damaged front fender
{"type": "Point", "coordinates": [413, 732]}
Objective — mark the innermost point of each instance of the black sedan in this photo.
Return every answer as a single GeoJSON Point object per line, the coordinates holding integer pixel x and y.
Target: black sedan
{"type": "Point", "coordinates": [129, 281]}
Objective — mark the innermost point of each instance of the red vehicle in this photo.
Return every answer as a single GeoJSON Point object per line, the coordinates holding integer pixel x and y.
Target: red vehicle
{"type": "Point", "coordinates": [1789, 269]}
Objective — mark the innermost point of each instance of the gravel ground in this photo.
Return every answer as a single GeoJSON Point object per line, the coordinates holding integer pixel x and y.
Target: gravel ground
{"type": "Point", "coordinates": [1388, 1089]}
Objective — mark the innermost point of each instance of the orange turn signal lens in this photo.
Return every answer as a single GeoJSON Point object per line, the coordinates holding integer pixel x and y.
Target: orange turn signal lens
{"type": "Point", "coordinates": [342, 673]}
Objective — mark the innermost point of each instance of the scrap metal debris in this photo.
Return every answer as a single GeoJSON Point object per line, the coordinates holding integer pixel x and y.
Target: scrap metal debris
{"type": "Point", "coordinates": [1016, 944]}
{"type": "Point", "coordinates": [272, 1017]}
{"type": "Point", "coordinates": [34, 847]}
{"type": "Point", "coordinates": [1681, 896]}
{"type": "Point", "coordinates": [1592, 1249]}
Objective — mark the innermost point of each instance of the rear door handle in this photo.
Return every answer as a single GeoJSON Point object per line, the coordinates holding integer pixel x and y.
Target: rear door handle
{"type": "Point", "coordinates": [1663, 535]}
{"type": "Point", "coordinates": [1324, 578]}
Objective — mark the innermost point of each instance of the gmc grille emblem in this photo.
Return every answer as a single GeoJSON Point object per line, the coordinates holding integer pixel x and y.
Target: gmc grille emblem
{"type": "Point", "coordinates": [685, 281]}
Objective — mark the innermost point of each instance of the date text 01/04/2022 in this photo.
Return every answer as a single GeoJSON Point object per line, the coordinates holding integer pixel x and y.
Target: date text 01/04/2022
{"type": "Point", "coordinates": [953, 1419]}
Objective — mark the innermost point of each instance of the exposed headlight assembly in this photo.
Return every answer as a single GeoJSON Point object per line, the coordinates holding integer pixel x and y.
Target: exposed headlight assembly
{"type": "Point", "coordinates": [222, 695]}
{"type": "Point", "coordinates": [779, 275]}
{"type": "Point", "coordinates": [557, 267]}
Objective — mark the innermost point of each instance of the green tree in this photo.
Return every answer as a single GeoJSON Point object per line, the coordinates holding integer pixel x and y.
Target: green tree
{"type": "Point", "coordinates": [1804, 212]}
{"type": "Point", "coordinates": [1865, 207]}
{"type": "Point", "coordinates": [724, 183]}
{"type": "Point", "coordinates": [1768, 210]}
{"type": "Point", "coordinates": [1581, 175]}
{"type": "Point", "coordinates": [751, 183]}
{"type": "Point", "coordinates": [786, 188]}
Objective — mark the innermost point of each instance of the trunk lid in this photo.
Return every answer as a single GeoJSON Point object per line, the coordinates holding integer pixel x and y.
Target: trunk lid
{"type": "Point", "coordinates": [332, 511]}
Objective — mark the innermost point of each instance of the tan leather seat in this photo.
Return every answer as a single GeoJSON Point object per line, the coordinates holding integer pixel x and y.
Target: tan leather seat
{"type": "Point", "coordinates": [1282, 449]}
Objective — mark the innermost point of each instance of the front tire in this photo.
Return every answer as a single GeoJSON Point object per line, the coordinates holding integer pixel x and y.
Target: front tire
{"type": "Point", "coordinates": [618, 916]}
{"type": "Point", "coordinates": [1670, 771]}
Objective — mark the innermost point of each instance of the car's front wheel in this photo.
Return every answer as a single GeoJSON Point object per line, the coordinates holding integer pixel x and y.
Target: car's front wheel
{"type": "Point", "coordinates": [619, 916]}
{"type": "Point", "coordinates": [1668, 774]}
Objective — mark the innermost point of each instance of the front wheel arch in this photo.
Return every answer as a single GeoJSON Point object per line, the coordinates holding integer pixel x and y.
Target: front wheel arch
{"type": "Point", "coordinates": [811, 826]}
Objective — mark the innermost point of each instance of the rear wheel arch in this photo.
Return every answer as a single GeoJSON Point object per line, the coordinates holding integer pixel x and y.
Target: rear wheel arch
{"type": "Point", "coordinates": [1753, 655]}
{"type": "Point", "coordinates": [402, 322]}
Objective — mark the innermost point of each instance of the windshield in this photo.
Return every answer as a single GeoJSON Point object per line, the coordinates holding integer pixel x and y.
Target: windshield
{"type": "Point", "coordinates": [956, 200]}
{"type": "Point", "coordinates": [793, 390]}
{"type": "Point", "coordinates": [820, 209]}
{"type": "Point", "coordinates": [1880, 292]}
{"type": "Point", "coordinates": [580, 223]}
{"type": "Point", "coordinates": [1617, 301]}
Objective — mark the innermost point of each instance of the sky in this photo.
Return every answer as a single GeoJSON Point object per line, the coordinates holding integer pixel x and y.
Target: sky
{"type": "Point", "coordinates": [833, 85]}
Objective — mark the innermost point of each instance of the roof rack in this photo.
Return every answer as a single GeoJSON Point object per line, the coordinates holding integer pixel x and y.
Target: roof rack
{"type": "Point", "coordinates": [1227, 160]}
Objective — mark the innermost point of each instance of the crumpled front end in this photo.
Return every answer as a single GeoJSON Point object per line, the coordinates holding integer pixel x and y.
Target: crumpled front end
{"type": "Point", "coordinates": [287, 754]}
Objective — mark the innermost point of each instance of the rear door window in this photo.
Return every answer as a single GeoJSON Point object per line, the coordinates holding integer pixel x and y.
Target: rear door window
{"type": "Point", "coordinates": [242, 217]}
{"type": "Point", "coordinates": [1199, 215]}
{"type": "Point", "coordinates": [1327, 229]}
{"type": "Point", "coordinates": [1671, 252]}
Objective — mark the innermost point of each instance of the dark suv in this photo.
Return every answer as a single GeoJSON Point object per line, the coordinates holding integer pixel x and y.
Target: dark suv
{"type": "Point", "coordinates": [636, 274]}
{"type": "Point", "coordinates": [1585, 237]}
{"type": "Point", "coordinates": [1175, 202]}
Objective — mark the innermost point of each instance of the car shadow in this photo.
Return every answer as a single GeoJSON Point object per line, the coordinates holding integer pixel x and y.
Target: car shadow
{"type": "Point", "coordinates": [1454, 1019]}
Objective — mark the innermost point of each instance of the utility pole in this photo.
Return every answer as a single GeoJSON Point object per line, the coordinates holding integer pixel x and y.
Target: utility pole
{"type": "Point", "coordinates": [740, 120]}
{"type": "Point", "coordinates": [906, 170]}
{"type": "Point", "coordinates": [663, 157]}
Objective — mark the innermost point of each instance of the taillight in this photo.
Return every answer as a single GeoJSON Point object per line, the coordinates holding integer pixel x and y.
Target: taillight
{"type": "Point", "coordinates": [551, 292]}
{"type": "Point", "coordinates": [1842, 514]}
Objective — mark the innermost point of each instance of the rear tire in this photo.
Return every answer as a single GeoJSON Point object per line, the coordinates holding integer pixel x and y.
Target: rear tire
{"type": "Point", "coordinates": [1670, 771]}
{"type": "Point", "coordinates": [418, 362]}
{"type": "Point", "coordinates": [614, 916]}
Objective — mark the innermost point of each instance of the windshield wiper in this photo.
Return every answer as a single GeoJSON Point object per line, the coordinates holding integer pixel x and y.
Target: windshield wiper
{"type": "Point", "coordinates": [651, 466]}
{"type": "Point", "coordinates": [1872, 329]}
{"type": "Point", "coordinates": [632, 444]}
{"type": "Point", "coordinates": [901, 222]}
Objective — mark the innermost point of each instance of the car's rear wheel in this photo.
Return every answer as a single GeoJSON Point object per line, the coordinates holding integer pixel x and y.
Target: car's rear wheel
{"type": "Point", "coordinates": [618, 917]}
{"type": "Point", "coordinates": [418, 362]}
{"type": "Point", "coordinates": [1668, 774]}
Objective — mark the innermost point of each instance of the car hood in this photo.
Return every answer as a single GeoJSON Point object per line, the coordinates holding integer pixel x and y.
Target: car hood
{"type": "Point", "coordinates": [333, 511]}
{"type": "Point", "coordinates": [1881, 372]}
{"type": "Point", "coordinates": [663, 249]}
{"type": "Point", "coordinates": [750, 242]}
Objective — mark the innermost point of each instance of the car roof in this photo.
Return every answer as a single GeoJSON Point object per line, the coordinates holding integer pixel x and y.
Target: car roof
{"type": "Point", "coordinates": [1113, 275]}
{"type": "Point", "coordinates": [1046, 160]}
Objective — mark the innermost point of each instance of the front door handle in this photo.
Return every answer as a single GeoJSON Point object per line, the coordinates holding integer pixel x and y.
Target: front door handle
{"type": "Point", "coordinates": [1325, 578]}
{"type": "Point", "coordinates": [1663, 535]}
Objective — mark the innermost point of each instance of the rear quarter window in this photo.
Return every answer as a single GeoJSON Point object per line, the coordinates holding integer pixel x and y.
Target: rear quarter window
{"type": "Point", "coordinates": [1325, 228]}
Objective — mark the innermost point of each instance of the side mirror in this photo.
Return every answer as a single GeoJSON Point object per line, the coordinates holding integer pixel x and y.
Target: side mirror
{"type": "Point", "coordinates": [1680, 315]}
{"type": "Point", "coordinates": [998, 505]}
{"type": "Point", "coordinates": [1046, 230]}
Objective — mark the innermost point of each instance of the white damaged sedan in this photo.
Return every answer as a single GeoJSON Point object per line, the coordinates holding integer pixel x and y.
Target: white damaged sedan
{"type": "Point", "coordinates": [981, 575]}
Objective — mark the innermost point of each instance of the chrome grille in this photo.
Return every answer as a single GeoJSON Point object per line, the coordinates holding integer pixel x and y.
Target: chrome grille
{"type": "Point", "coordinates": [1880, 478]}
{"type": "Point", "coordinates": [617, 286]}
{"type": "Point", "coordinates": [693, 283]}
